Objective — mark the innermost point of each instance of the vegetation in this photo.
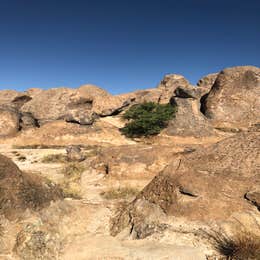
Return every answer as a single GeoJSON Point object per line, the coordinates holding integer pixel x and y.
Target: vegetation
{"type": "Point", "coordinates": [241, 246]}
{"type": "Point", "coordinates": [147, 119]}
{"type": "Point", "coordinates": [119, 193]}
{"type": "Point", "coordinates": [73, 170]}
{"type": "Point", "coordinates": [71, 183]}
{"type": "Point", "coordinates": [54, 158]}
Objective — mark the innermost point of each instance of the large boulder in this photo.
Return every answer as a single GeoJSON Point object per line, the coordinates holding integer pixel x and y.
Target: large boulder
{"type": "Point", "coordinates": [208, 187]}
{"type": "Point", "coordinates": [80, 105]}
{"type": "Point", "coordinates": [161, 94]}
{"type": "Point", "coordinates": [20, 191]}
{"type": "Point", "coordinates": [234, 98]}
{"type": "Point", "coordinates": [9, 121]}
{"type": "Point", "coordinates": [188, 120]}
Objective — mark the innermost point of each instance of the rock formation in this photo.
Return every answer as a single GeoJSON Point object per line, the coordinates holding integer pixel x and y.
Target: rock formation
{"type": "Point", "coordinates": [208, 186]}
{"type": "Point", "coordinates": [20, 191]}
{"type": "Point", "coordinates": [234, 98]}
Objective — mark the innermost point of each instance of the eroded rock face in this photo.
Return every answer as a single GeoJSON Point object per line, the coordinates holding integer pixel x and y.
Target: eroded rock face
{"type": "Point", "coordinates": [208, 186]}
{"type": "Point", "coordinates": [19, 191]}
{"type": "Point", "coordinates": [188, 121]}
{"type": "Point", "coordinates": [9, 123]}
{"type": "Point", "coordinates": [207, 81]}
{"type": "Point", "coordinates": [81, 105]}
{"type": "Point", "coordinates": [234, 98]}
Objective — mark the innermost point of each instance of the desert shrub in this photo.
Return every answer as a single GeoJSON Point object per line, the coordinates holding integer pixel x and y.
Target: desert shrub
{"type": "Point", "coordinates": [241, 246]}
{"type": "Point", "coordinates": [147, 119]}
{"type": "Point", "coordinates": [54, 158]}
{"type": "Point", "coordinates": [119, 193]}
{"type": "Point", "coordinates": [73, 170]}
{"type": "Point", "coordinates": [71, 183]}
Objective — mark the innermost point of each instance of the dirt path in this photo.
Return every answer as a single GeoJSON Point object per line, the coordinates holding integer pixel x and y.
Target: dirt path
{"type": "Point", "coordinates": [92, 239]}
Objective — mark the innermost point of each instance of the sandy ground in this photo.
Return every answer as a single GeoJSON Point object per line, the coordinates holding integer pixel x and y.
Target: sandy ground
{"type": "Point", "coordinates": [91, 238]}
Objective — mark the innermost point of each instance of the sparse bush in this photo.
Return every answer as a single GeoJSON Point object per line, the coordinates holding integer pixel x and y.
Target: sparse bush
{"type": "Point", "coordinates": [241, 246]}
{"type": "Point", "coordinates": [119, 193]}
{"type": "Point", "coordinates": [147, 119]}
{"type": "Point", "coordinates": [73, 170]}
{"type": "Point", "coordinates": [71, 183]}
{"type": "Point", "coordinates": [54, 158]}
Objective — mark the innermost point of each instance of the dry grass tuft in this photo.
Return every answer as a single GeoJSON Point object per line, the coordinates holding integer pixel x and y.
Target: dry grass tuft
{"type": "Point", "coordinates": [54, 158]}
{"type": "Point", "coordinates": [241, 246]}
{"type": "Point", "coordinates": [71, 183]}
{"type": "Point", "coordinates": [120, 193]}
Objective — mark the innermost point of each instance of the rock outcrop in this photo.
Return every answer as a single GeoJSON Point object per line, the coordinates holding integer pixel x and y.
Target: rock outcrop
{"type": "Point", "coordinates": [234, 98]}
{"type": "Point", "coordinates": [9, 123]}
{"type": "Point", "coordinates": [20, 191]}
{"type": "Point", "coordinates": [210, 186]}
{"type": "Point", "coordinates": [207, 81]}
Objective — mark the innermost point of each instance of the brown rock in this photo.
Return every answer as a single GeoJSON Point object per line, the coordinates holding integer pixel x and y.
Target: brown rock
{"type": "Point", "coordinates": [207, 81]}
{"type": "Point", "coordinates": [9, 123]}
{"type": "Point", "coordinates": [234, 98]}
{"type": "Point", "coordinates": [188, 121]}
{"type": "Point", "coordinates": [74, 154]}
{"type": "Point", "coordinates": [254, 197]}
{"type": "Point", "coordinates": [206, 186]}
{"type": "Point", "coordinates": [19, 191]}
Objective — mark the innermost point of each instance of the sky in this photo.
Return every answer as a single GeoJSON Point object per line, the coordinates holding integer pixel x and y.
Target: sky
{"type": "Point", "coordinates": [123, 45]}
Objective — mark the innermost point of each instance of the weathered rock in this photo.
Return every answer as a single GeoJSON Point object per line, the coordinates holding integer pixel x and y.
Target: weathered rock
{"type": "Point", "coordinates": [27, 121]}
{"type": "Point", "coordinates": [34, 243]}
{"type": "Point", "coordinates": [72, 105]}
{"type": "Point", "coordinates": [19, 191]}
{"type": "Point", "coordinates": [9, 121]}
{"type": "Point", "coordinates": [207, 81]}
{"type": "Point", "coordinates": [7, 96]}
{"type": "Point", "coordinates": [207, 186]}
{"type": "Point", "coordinates": [254, 197]}
{"type": "Point", "coordinates": [188, 121]}
{"type": "Point", "coordinates": [234, 98]}
{"type": "Point", "coordinates": [74, 154]}
{"type": "Point", "coordinates": [169, 84]}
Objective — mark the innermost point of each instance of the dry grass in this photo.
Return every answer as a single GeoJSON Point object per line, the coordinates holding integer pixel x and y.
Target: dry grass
{"type": "Point", "coordinates": [241, 246]}
{"type": "Point", "coordinates": [73, 170]}
{"type": "Point", "coordinates": [71, 183]}
{"type": "Point", "coordinates": [120, 193]}
{"type": "Point", "coordinates": [54, 158]}
{"type": "Point", "coordinates": [36, 146]}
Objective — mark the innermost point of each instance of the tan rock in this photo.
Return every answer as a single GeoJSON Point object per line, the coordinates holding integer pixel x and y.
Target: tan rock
{"type": "Point", "coordinates": [19, 191]}
{"type": "Point", "coordinates": [234, 98]}
{"type": "Point", "coordinates": [207, 81]}
{"type": "Point", "coordinates": [9, 123]}
{"type": "Point", "coordinates": [207, 186]}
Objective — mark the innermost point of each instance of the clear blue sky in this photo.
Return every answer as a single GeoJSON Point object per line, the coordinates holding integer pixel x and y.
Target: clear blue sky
{"type": "Point", "coordinates": [123, 45]}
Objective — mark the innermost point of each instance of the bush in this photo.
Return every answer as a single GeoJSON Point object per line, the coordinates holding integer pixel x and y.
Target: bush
{"type": "Point", "coordinates": [241, 246]}
{"type": "Point", "coordinates": [54, 158]}
{"type": "Point", "coordinates": [147, 119]}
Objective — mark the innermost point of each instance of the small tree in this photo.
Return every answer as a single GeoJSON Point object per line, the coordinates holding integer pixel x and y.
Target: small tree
{"type": "Point", "coordinates": [147, 119]}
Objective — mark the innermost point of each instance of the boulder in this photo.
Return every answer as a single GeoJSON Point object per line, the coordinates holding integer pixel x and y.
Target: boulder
{"type": "Point", "coordinates": [205, 188]}
{"type": "Point", "coordinates": [234, 98]}
{"type": "Point", "coordinates": [169, 84]}
{"type": "Point", "coordinates": [81, 105]}
{"type": "Point", "coordinates": [20, 191]}
{"type": "Point", "coordinates": [188, 121]}
{"type": "Point", "coordinates": [207, 81]}
{"type": "Point", "coordinates": [74, 153]}
{"type": "Point", "coordinates": [9, 121]}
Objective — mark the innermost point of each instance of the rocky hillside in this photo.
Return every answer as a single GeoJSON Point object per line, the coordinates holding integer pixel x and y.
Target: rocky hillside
{"type": "Point", "coordinates": [85, 191]}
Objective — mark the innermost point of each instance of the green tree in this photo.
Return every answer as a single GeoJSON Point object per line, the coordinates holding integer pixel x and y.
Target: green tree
{"type": "Point", "coordinates": [147, 119]}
